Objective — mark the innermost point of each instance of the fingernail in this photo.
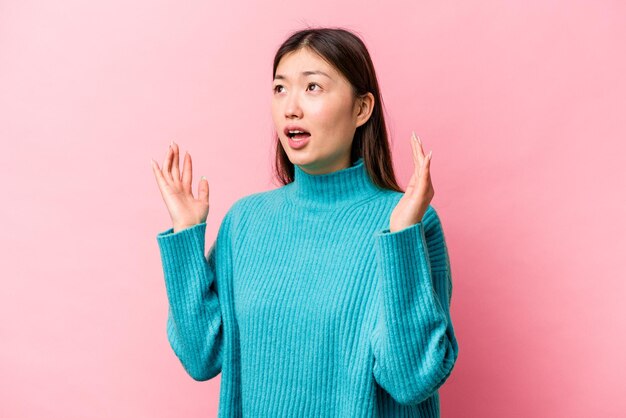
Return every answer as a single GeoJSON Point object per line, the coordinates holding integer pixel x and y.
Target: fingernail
{"type": "Point", "coordinates": [202, 178]}
{"type": "Point", "coordinates": [430, 154]}
{"type": "Point", "coordinates": [419, 140]}
{"type": "Point", "coordinates": [413, 134]}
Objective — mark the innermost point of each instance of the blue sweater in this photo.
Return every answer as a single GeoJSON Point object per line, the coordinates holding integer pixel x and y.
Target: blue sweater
{"type": "Point", "coordinates": [310, 307]}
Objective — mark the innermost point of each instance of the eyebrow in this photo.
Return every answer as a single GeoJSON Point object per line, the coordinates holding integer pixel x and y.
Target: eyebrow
{"type": "Point", "coordinates": [304, 73]}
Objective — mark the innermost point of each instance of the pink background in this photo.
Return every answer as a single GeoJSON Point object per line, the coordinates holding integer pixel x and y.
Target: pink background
{"type": "Point", "coordinates": [522, 104]}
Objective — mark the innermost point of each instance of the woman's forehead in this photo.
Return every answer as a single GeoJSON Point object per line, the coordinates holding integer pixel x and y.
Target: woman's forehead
{"type": "Point", "coordinates": [303, 63]}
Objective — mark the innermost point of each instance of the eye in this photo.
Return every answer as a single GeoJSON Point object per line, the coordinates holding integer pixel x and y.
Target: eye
{"type": "Point", "coordinates": [313, 84]}
{"type": "Point", "coordinates": [277, 86]}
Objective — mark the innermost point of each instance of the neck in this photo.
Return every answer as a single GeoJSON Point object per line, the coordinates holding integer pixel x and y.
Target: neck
{"type": "Point", "coordinates": [332, 190]}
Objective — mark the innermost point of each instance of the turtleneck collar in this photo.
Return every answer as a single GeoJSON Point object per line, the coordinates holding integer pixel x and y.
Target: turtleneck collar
{"type": "Point", "coordinates": [332, 190]}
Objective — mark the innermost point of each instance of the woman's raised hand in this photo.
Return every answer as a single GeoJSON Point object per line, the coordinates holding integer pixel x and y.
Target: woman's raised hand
{"type": "Point", "coordinates": [419, 192]}
{"type": "Point", "coordinates": [185, 210]}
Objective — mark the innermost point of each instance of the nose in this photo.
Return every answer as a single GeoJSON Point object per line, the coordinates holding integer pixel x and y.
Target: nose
{"type": "Point", "coordinates": [292, 106]}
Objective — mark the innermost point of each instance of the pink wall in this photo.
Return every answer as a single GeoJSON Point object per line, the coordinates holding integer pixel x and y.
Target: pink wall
{"type": "Point", "coordinates": [523, 106]}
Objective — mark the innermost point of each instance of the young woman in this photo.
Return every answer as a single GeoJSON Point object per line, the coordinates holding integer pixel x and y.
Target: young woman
{"type": "Point", "coordinates": [330, 295]}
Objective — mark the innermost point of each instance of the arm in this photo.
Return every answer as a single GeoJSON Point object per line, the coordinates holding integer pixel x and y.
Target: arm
{"type": "Point", "coordinates": [194, 322]}
{"type": "Point", "coordinates": [413, 340]}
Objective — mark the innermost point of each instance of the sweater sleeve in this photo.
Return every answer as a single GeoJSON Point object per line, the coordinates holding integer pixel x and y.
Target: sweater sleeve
{"type": "Point", "coordinates": [413, 341]}
{"type": "Point", "coordinates": [194, 321]}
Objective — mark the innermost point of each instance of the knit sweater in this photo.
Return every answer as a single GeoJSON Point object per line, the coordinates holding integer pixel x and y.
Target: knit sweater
{"type": "Point", "coordinates": [310, 306]}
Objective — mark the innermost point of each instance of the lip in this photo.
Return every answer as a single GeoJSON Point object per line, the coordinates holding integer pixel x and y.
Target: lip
{"type": "Point", "coordinates": [298, 144]}
{"type": "Point", "coordinates": [293, 128]}
{"type": "Point", "coordinates": [294, 144]}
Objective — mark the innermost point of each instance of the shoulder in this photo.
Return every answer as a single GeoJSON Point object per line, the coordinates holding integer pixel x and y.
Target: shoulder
{"type": "Point", "coordinates": [254, 203]}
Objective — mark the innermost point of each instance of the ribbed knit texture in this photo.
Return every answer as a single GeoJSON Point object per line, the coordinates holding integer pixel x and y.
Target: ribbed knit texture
{"type": "Point", "coordinates": [310, 307]}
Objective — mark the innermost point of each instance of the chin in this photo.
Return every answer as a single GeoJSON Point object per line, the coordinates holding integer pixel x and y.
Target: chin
{"type": "Point", "coordinates": [302, 159]}
{"type": "Point", "coordinates": [299, 159]}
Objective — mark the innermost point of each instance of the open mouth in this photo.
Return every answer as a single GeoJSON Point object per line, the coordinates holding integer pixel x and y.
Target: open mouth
{"type": "Point", "coordinates": [298, 136]}
{"type": "Point", "coordinates": [297, 133]}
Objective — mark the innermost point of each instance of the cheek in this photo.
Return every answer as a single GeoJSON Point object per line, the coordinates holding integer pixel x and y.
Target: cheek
{"type": "Point", "coordinates": [336, 122]}
{"type": "Point", "coordinates": [326, 116]}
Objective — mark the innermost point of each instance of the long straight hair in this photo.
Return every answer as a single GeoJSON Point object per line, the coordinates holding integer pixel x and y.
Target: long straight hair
{"type": "Point", "coordinates": [349, 55]}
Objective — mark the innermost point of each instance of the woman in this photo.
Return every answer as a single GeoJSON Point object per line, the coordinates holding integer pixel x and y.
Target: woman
{"type": "Point", "coordinates": [328, 296]}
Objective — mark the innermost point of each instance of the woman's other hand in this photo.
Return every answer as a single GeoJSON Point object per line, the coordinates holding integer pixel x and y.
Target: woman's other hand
{"type": "Point", "coordinates": [185, 210]}
{"type": "Point", "coordinates": [419, 192]}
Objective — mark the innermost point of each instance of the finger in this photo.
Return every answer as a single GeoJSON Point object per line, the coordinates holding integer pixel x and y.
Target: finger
{"type": "Point", "coordinates": [414, 149]}
{"type": "Point", "coordinates": [159, 176]}
{"type": "Point", "coordinates": [175, 169]}
{"type": "Point", "coordinates": [418, 161]}
{"type": "Point", "coordinates": [416, 168]}
{"type": "Point", "coordinates": [420, 150]}
{"type": "Point", "coordinates": [427, 179]}
{"type": "Point", "coordinates": [187, 173]}
{"type": "Point", "coordinates": [203, 190]}
{"type": "Point", "coordinates": [166, 166]}
{"type": "Point", "coordinates": [425, 171]}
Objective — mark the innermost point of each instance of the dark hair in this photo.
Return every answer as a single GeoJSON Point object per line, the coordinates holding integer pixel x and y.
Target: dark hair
{"type": "Point", "coordinates": [348, 54]}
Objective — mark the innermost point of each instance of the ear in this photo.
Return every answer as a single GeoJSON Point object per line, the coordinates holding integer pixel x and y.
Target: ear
{"type": "Point", "coordinates": [364, 107]}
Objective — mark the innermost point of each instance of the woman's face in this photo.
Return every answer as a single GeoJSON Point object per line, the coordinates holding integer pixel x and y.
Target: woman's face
{"type": "Point", "coordinates": [310, 94]}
